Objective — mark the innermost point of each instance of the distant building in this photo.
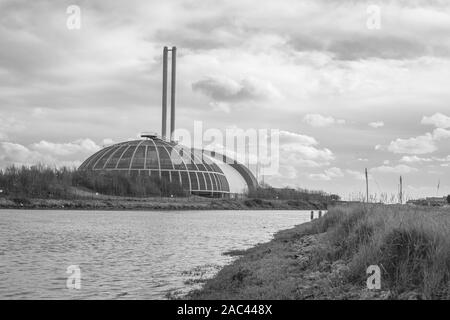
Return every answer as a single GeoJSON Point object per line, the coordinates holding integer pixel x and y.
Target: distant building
{"type": "Point", "coordinates": [436, 201]}
{"type": "Point", "coordinates": [199, 172]}
{"type": "Point", "coordinates": [429, 201]}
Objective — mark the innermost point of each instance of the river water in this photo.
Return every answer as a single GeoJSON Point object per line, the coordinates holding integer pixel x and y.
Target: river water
{"type": "Point", "coordinates": [124, 254]}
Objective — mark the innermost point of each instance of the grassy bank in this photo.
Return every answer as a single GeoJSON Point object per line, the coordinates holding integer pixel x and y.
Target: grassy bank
{"type": "Point", "coordinates": [328, 257]}
{"type": "Point", "coordinates": [99, 202]}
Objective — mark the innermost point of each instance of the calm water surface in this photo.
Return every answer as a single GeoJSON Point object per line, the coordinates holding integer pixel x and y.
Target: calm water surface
{"type": "Point", "coordinates": [124, 254]}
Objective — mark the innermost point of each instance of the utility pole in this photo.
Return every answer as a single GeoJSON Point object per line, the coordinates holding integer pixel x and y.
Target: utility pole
{"type": "Point", "coordinates": [247, 153]}
{"type": "Point", "coordinates": [367, 186]}
{"type": "Point", "coordinates": [257, 160]}
{"type": "Point", "coordinates": [400, 195]}
{"type": "Point", "coordinates": [262, 176]}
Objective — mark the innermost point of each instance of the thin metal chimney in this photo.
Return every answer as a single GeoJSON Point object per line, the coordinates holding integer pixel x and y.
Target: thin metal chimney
{"type": "Point", "coordinates": [172, 91]}
{"type": "Point", "coordinates": [164, 95]}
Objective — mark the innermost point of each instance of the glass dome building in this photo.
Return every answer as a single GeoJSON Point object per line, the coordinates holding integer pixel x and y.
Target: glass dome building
{"type": "Point", "coordinates": [199, 173]}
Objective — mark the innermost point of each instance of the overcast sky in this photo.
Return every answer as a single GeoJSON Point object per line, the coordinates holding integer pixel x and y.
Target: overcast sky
{"type": "Point", "coordinates": [345, 96]}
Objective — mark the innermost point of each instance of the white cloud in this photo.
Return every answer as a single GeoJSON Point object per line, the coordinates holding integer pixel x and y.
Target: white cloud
{"type": "Point", "coordinates": [358, 175]}
{"type": "Point", "coordinates": [39, 112]}
{"type": "Point", "coordinates": [319, 176]}
{"type": "Point", "coordinates": [318, 120]}
{"type": "Point", "coordinates": [19, 155]}
{"type": "Point", "coordinates": [47, 153]}
{"type": "Point", "coordinates": [376, 124]}
{"type": "Point", "coordinates": [418, 145]}
{"type": "Point", "coordinates": [297, 152]}
{"type": "Point", "coordinates": [327, 175]}
{"type": "Point", "coordinates": [447, 158]}
{"type": "Point", "coordinates": [440, 134]}
{"type": "Point", "coordinates": [287, 172]}
{"type": "Point", "coordinates": [334, 172]}
{"type": "Point", "coordinates": [414, 159]}
{"type": "Point", "coordinates": [9, 124]}
{"type": "Point", "coordinates": [304, 154]}
{"type": "Point", "coordinates": [399, 169]}
{"type": "Point", "coordinates": [81, 146]}
{"type": "Point", "coordinates": [439, 120]}
{"type": "Point", "coordinates": [303, 150]}
{"type": "Point", "coordinates": [107, 142]}
{"type": "Point", "coordinates": [287, 137]}
{"type": "Point", "coordinates": [220, 106]}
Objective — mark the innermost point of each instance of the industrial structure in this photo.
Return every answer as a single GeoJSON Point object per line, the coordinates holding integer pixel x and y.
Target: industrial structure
{"type": "Point", "coordinates": [199, 172]}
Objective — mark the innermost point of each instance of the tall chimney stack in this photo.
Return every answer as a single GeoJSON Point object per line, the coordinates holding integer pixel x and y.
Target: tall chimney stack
{"type": "Point", "coordinates": [172, 90]}
{"type": "Point", "coordinates": [164, 95]}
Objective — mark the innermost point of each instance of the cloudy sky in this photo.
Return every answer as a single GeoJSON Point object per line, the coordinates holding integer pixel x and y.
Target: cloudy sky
{"type": "Point", "coordinates": [345, 95]}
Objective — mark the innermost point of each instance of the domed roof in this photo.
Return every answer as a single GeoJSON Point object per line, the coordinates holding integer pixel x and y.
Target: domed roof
{"type": "Point", "coordinates": [167, 160]}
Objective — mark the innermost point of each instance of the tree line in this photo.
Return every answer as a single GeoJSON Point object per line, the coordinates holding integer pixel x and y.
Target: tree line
{"type": "Point", "coordinates": [64, 183]}
{"type": "Point", "coordinates": [269, 192]}
{"type": "Point", "coordinates": [60, 183]}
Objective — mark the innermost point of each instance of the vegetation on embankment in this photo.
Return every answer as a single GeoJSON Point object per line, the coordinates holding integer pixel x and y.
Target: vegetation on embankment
{"type": "Point", "coordinates": [99, 202]}
{"type": "Point", "coordinates": [267, 192]}
{"type": "Point", "coordinates": [328, 258]}
{"type": "Point", "coordinates": [41, 182]}
{"type": "Point", "coordinates": [40, 187]}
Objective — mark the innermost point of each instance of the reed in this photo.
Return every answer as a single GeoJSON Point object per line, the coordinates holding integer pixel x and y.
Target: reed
{"type": "Point", "coordinates": [410, 245]}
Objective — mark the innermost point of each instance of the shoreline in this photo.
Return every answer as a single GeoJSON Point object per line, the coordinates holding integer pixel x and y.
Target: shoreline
{"type": "Point", "coordinates": [104, 203]}
{"type": "Point", "coordinates": [326, 259]}
{"type": "Point", "coordinates": [265, 263]}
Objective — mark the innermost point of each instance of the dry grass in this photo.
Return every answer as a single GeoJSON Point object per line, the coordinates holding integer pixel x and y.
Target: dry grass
{"type": "Point", "coordinates": [410, 245]}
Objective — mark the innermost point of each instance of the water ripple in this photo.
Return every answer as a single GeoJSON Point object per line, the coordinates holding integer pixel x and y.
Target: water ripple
{"type": "Point", "coordinates": [124, 255]}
